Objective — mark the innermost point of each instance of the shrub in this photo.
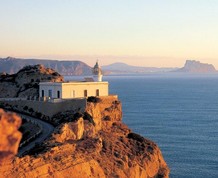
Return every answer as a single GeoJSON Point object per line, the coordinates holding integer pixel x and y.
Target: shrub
{"type": "Point", "coordinates": [31, 110]}
{"type": "Point", "coordinates": [88, 117]}
{"type": "Point", "coordinates": [35, 85]}
{"type": "Point", "coordinates": [25, 108]}
{"type": "Point", "coordinates": [107, 118]}
{"type": "Point", "coordinates": [77, 115]}
{"type": "Point", "coordinates": [55, 74]}
{"type": "Point", "coordinates": [38, 115]}
{"type": "Point", "coordinates": [135, 137]}
{"type": "Point", "coordinates": [93, 99]}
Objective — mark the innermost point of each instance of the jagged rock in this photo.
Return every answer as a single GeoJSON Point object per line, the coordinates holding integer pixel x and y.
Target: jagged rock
{"type": "Point", "coordinates": [105, 148]}
{"type": "Point", "coordinates": [106, 110]}
{"type": "Point", "coordinates": [25, 83]}
{"type": "Point", "coordinates": [10, 136]}
{"type": "Point", "coordinates": [70, 131]}
{"type": "Point", "coordinates": [192, 66]}
{"type": "Point", "coordinates": [89, 130]}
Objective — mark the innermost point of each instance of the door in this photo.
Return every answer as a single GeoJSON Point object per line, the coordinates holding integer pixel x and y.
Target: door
{"type": "Point", "coordinates": [85, 93]}
{"type": "Point", "coordinates": [43, 94]}
{"type": "Point", "coordinates": [50, 93]}
{"type": "Point", "coordinates": [97, 92]}
{"type": "Point", "coordinates": [58, 94]}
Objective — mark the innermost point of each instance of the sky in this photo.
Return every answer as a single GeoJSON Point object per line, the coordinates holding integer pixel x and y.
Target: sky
{"type": "Point", "coordinates": [152, 33]}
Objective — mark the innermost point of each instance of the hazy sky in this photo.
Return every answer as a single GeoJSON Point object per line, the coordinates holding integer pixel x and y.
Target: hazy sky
{"type": "Point", "coordinates": [139, 32]}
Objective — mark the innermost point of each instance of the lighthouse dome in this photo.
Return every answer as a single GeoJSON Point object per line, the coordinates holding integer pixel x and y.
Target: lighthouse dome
{"type": "Point", "coordinates": [97, 73]}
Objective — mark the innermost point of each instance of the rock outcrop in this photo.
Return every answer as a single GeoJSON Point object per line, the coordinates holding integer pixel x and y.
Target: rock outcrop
{"type": "Point", "coordinates": [192, 66]}
{"type": "Point", "coordinates": [94, 144]}
{"type": "Point", "coordinates": [9, 135]}
{"type": "Point", "coordinates": [70, 131]}
{"type": "Point", "coordinates": [25, 83]}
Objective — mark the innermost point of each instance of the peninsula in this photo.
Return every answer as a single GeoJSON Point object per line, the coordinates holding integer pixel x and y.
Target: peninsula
{"type": "Point", "coordinates": [192, 66]}
{"type": "Point", "coordinates": [89, 138]}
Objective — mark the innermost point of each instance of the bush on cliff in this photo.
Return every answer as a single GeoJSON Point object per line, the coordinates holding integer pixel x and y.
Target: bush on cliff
{"type": "Point", "coordinates": [88, 117]}
{"type": "Point", "coordinates": [93, 99]}
{"type": "Point", "coordinates": [135, 137]}
{"type": "Point", "coordinates": [77, 115]}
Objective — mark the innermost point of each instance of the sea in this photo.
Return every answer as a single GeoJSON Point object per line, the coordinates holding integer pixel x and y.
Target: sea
{"type": "Point", "coordinates": [179, 113]}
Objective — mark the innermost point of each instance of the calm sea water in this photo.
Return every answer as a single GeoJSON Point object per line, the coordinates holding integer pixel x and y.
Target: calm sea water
{"type": "Point", "coordinates": [179, 113]}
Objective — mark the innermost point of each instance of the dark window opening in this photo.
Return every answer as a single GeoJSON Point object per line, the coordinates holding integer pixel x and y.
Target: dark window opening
{"type": "Point", "coordinates": [43, 94]}
{"type": "Point", "coordinates": [58, 94]}
{"type": "Point", "coordinates": [97, 92]}
{"type": "Point", "coordinates": [50, 93]}
{"type": "Point", "coordinates": [85, 93]}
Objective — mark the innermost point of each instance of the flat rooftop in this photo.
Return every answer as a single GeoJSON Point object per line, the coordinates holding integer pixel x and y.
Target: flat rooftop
{"type": "Point", "coordinates": [72, 82]}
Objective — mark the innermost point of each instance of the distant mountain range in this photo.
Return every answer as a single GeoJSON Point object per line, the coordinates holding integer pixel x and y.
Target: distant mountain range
{"type": "Point", "coordinates": [122, 68]}
{"type": "Point", "coordinates": [192, 66]}
{"type": "Point", "coordinates": [12, 65]}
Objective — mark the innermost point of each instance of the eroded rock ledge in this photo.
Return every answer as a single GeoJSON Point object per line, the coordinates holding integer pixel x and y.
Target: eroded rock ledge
{"type": "Point", "coordinates": [9, 135]}
{"type": "Point", "coordinates": [95, 144]}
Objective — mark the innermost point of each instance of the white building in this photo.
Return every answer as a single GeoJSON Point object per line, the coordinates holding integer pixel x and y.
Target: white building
{"type": "Point", "coordinates": [67, 90]}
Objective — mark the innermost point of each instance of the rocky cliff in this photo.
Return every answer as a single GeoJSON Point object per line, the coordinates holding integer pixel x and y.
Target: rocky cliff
{"type": "Point", "coordinates": [192, 66]}
{"type": "Point", "coordinates": [10, 136]}
{"type": "Point", "coordinates": [12, 65]}
{"type": "Point", "coordinates": [25, 83]}
{"type": "Point", "coordinates": [94, 143]}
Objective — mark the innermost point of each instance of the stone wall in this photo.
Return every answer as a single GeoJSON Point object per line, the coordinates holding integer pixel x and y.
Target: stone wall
{"type": "Point", "coordinates": [45, 108]}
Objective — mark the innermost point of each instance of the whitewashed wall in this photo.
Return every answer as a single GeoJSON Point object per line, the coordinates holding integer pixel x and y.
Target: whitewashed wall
{"type": "Point", "coordinates": [50, 86]}
{"type": "Point", "coordinates": [71, 90]}
{"type": "Point", "coordinates": [74, 90]}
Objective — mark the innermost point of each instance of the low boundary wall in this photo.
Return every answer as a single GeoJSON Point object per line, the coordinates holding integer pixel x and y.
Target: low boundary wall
{"type": "Point", "coordinates": [45, 108]}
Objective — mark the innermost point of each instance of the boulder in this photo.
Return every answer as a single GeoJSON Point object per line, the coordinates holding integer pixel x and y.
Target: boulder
{"type": "Point", "coordinates": [10, 136]}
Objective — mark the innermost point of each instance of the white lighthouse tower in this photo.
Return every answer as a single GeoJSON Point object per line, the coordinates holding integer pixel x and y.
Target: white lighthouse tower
{"type": "Point", "coordinates": [97, 73]}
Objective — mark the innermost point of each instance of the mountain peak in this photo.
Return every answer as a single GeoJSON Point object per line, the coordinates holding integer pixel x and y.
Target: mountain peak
{"type": "Point", "coordinates": [193, 66]}
{"type": "Point", "coordinates": [9, 58]}
{"type": "Point", "coordinates": [12, 65]}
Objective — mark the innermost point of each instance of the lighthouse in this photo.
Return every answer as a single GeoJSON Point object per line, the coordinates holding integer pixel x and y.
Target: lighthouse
{"type": "Point", "coordinates": [97, 73]}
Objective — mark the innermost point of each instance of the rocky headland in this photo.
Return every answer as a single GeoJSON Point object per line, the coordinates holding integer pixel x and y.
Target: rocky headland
{"type": "Point", "coordinates": [90, 143]}
{"type": "Point", "coordinates": [94, 144]}
{"type": "Point", "coordinates": [192, 66]}
{"type": "Point", "coordinates": [25, 83]}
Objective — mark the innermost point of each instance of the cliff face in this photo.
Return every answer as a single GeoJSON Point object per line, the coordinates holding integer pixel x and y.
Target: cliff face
{"type": "Point", "coordinates": [25, 83]}
{"type": "Point", "coordinates": [94, 144]}
{"type": "Point", "coordinates": [192, 66]}
{"type": "Point", "coordinates": [12, 65]}
{"type": "Point", "coordinates": [10, 136]}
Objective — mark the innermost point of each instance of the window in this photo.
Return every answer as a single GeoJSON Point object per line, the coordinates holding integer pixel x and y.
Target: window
{"type": "Point", "coordinates": [73, 95]}
{"type": "Point", "coordinates": [43, 94]}
{"type": "Point", "coordinates": [85, 93]}
{"type": "Point", "coordinates": [58, 94]}
{"type": "Point", "coordinates": [97, 92]}
{"type": "Point", "coordinates": [50, 93]}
